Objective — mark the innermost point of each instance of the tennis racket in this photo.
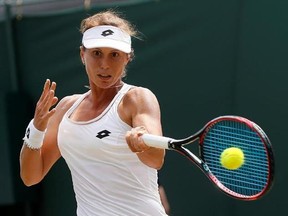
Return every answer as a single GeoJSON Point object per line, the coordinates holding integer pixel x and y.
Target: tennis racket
{"type": "Point", "coordinates": [249, 182]}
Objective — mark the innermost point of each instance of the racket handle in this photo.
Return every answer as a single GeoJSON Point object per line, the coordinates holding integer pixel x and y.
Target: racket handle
{"type": "Point", "coordinates": [156, 141]}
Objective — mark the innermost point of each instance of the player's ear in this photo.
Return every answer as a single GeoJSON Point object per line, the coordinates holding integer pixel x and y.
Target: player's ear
{"type": "Point", "coordinates": [82, 49]}
{"type": "Point", "coordinates": [128, 59]}
{"type": "Point", "coordinates": [130, 56]}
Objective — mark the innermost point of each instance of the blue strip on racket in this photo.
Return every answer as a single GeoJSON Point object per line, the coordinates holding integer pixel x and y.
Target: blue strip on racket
{"type": "Point", "coordinates": [255, 175]}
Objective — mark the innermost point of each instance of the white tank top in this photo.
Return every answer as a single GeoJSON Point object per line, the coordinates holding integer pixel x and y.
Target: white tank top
{"type": "Point", "coordinates": [108, 178]}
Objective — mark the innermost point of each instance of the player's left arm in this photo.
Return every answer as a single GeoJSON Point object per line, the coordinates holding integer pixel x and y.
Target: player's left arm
{"type": "Point", "coordinates": [142, 112]}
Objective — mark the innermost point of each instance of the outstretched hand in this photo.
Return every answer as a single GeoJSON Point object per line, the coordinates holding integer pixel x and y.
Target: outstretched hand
{"type": "Point", "coordinates": [134, 140]}
{"type": "Point", "coordinates": [43, 110]}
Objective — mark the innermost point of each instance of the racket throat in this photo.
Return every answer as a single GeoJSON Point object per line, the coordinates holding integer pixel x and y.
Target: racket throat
{"type": "Point", "coordinates": [191, 156]}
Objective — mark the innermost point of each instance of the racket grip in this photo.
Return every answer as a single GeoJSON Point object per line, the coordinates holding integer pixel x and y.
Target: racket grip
{"type": "Point", "coordinates": [156, 141]}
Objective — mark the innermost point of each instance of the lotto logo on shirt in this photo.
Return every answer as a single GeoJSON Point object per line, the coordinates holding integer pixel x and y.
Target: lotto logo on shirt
{"type": "Point", "coordinates": [103, 134]}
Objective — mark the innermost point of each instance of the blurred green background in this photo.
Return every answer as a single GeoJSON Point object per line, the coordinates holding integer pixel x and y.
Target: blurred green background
{"type": "Point", "coordinates": [202, 59]}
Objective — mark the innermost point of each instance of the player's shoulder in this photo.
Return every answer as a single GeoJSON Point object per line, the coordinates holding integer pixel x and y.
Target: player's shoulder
{"type": "Point", "coordinates": [66, 102]}
{"type": "Point", "coordinates": [138, 95]}
{"type": "Point", "coordinates": [138, 92]}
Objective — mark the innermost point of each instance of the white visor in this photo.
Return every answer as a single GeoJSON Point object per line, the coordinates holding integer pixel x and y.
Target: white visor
{"type": "Point", "coordinates": [107, 36]}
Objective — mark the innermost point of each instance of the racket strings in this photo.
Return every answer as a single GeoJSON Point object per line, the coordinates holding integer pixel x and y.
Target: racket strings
{"type": "Point", "coordinates": [252, 177]}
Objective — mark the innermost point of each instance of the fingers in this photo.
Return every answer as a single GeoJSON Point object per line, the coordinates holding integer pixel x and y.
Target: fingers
{"type": "Point", "coordinates": [49, 100]}
{"type": "Point", "coordinates": [134, 140]}
{"type": "Point", "coordinates": [46, 89]}
{"type": "Point", "coordinates": [46, 101]}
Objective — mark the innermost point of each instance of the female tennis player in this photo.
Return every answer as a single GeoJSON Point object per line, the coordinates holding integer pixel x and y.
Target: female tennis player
{"type": "Point", "coordinates": [113, 171]}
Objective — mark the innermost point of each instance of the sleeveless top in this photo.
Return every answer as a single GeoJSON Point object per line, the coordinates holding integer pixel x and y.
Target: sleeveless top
{"type": "Point", "coordinates": [108, 178]}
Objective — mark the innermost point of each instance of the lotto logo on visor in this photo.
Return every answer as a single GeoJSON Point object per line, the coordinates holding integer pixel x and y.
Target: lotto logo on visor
{"type": "Point", "coordinates": [107, 36]}
{"type": "Point", "coordinates": [107, 32]}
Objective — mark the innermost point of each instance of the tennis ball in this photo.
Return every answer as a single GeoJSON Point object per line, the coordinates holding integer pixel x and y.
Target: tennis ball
{"type": "Point", "coordinates": [232, 158]}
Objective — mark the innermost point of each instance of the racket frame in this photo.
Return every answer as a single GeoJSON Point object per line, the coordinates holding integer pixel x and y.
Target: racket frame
{"type": "Point", "coordinates": [178, 145]}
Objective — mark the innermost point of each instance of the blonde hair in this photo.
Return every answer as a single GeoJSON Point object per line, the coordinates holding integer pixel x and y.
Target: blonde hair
{"type": "Point", "coordinates": [108, 17]}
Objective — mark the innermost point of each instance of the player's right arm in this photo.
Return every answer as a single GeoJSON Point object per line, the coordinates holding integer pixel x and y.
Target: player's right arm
{"type": "Point", "coordinates": [35, 164]}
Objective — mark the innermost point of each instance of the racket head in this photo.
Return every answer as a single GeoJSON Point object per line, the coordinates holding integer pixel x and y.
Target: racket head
{"type": "Point", "coordinates": [254, 178]}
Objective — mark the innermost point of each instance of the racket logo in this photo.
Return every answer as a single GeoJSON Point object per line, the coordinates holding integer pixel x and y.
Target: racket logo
{"type": "Point", "coordinates": [205, 167]}
{"type": "Point", "coordinates": [171, 145]}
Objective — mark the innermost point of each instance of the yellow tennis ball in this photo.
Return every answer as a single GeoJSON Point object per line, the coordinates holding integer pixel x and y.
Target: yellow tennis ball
{"type": "Point", "coordinates": [232, 158]}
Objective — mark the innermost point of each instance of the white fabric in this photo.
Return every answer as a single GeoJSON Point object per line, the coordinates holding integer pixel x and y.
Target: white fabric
{"type": "Point", "coordinates": [108, 178]}
{"type": "Point", "coordinates": [33, 138]}
{"type": "Point", "coordinates": [107, 36]}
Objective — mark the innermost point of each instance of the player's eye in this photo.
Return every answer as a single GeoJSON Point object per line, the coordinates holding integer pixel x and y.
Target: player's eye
{"type": "Point", "coordinates": [115, 54]}
{"type": "Point", "coordinates": [96, 53]}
